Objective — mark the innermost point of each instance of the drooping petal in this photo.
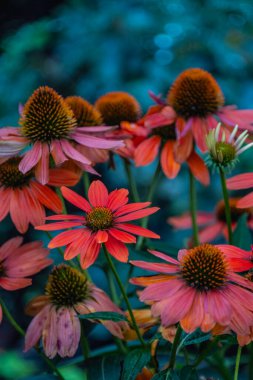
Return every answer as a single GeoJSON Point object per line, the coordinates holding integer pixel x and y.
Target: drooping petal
{"type": "Point", "coordinates": [47, 197]}
{"type": "Point", "coordinates": [98, 194]}
{"type": "Point", "coordinates": [200, 130]}
{"type": "Point", "coordinates": [18, 216]}
{"type": "Point", "coordinates": [50, 336]}
{"type": "Point", "coordinates": [146, 152]}
{"type": "Point", "coordinates": [5, 196]}
{"type": "Point", "coordinates": [73, 154]}
{"type": "Point", "coordinates": [240, 181]}
{"type": "Point", "coordinates": [57, 153]}
{"type": "Point", "coordinates": [35, 328]}
{"type": "Point", "coordinates": [89, 252]}
{"type": "Point", "coordinates": [64, 332]}
{"type": "Point", "coordinates": [246, 201]}
{"type": "Point", "coordinates": [42, 168]}
{"type": "Point", "coordinates": [31, 158]}
{"type": "Point", "coordinates": [96, 142]}
{"type": "Point", "coordinates": [169, 165]}
{"type": "Point", "coordinates": [117, 249]}
{"type": "Point", "coordinates": [101, 236]}
{"type": "Point", "coordinates": [198, 168]}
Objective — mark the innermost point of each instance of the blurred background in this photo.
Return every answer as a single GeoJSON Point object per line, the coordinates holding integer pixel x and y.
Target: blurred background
{"type": "Point", "coordinates": [88, 48]}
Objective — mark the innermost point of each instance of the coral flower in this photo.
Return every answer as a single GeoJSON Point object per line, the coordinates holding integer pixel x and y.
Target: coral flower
{"type": "Point", "coordinates": [195, 101]}
{"type": "Point", "coordinates": [212, 225]}
{"type": "Point", "coordinates": [201, 289]}
{"type": "Point", "coordinates": [242, 181]}
{"type": "Point", "coordinates": [49, 127]}
{"type": "Point", "coordinates": [25, 198]}
{"type": "Point", "coordinates": [173, 152]}
{"type": "Point", "coordinates": [18, 262]}
{"type": "Point", "coordinates": [68, 294]}
{"type": "Point", "coordinates": [104, 222]}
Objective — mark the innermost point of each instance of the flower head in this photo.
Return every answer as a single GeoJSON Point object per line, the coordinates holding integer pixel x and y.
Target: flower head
{"type": "Point", "coordinates": [18, 262]}
{"type": "Point", "coordinates": [85, 113]}
{"type": "Point", "coordinates": [116, 107]}
{"type": "Point", "coordinates": [196, 101]}
{"type": "Point", "coordinates": [213, 224]}
{"type": "Point", "coordinates": [49, 128]}
{"type": "Point", "coordinates": [200, 289]}
{"type": "Point", "coordinates": [224, 150]}
{"type": "Point", "coordinates": [104, 221]}
{"type": "Point", "coordinates": [242, 181]}
{"type": "Point", "coordinates": [68, 294]}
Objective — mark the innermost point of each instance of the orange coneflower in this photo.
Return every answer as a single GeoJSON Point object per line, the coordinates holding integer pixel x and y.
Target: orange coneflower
{"type": "Point", "coordinates": [104, 222]}
{"type": "Point", "coordinates": [194, 101]}
{"type": "Point", "coordinates": [49, 127]}
{"type": "Point", "coordinates": [213, 224]}
{"type": "Point", "coordinates": [201, 289]}
{"type": "Point", "coordinates": [68, 295]}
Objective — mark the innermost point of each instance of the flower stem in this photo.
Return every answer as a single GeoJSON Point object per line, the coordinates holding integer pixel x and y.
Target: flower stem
{"type": "Point", "coordinates": [64, 209]}
{"type": "Point", "coordinates": [122, 289]}
{"type": "Point", "coordinates": [193, 209]}
{"type": "Point", "coordinates": [131, 181]}
{"type": "Point", "coordinates": [227, 205]}
{"type": "Point", "coordinates": [237, 362]}
{"type": "Point", "coordinates": [149, 198]}
{"type": "Point", "coordinates": [174, 347]}
{"type": "Point", "coordinates": [84, 343]}
{"type": "Point", "coordinates": [86, 183]}
{"type": "Point", "coordinates": [22, 332]}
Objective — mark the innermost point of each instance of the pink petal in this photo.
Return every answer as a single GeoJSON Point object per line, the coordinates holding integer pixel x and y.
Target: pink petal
{"type": "Point", "coordinates": [8, 283]}
{"type": "Point", "coordinates": [73, 154]}
{"type": "Point", "coordinates": [246, 201]}
{"type": "Point", "coordinates": [50, 335]}
{"type": "Point", "coordinates": [199, 130]}
{"type": "Point", "coordinates": [5, 196]}
{"type": "Point", "coordinates": [76, 333]}
{"type": "Point", "coordinates": [156, 267]}
{"type": "Point", "coordinates": [35, 328]}
{"type": "Point", "coordinates": [98, 194]}
{"type": "Point", "coordinates": [241, 181]}
{"type": "Point", "coordinates": [10, 246]}
{"type": "Point", "coordinates": [42, 168]}
{"type": "Point", "coordinates": [75, 199]}
{"type": "Point", "coordinates": [31, 158]}
{"type": "Point", "coordinates": [185, 220]}
{"type": "Point", "coordinates": [96, 142]}
{"type": "Point", "coordinates": [161, 290]}
{"type": "Point", "coordinates": [209, 233]}
{"type": "Point", "coordinates": [46, 196]}
{"type": "Point", "coordinates": [137, 214]}
{"type": "Point", "coordinates": [18, 216]}
{"type": "Point", "coordinates": [58, 226]}
{"type": "Point", "coordinates": [126, 209]}
{"type": "Point", "coordinates": [57, 153]}
{"type": "Point", "coordinates": [65, 332]}
{"type": "Point", "coordinates": [163, 256]}
{"type": "Point", "coordinates": [65, 238]}
{"type": "Point", "coordinates": [66, 217]}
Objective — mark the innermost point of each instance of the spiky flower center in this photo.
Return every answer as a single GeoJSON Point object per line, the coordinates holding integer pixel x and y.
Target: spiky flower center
{"type": "Point", "coordinates": [99, 218]}
{"type": "Point", "coordinates": [10, 176]}
{"type": "Point", "coordinates": [195, 93]}
{"type": "Point", "coordinates": [67, 286]}
{"type": "Point", "coordinates": [204, 267]}
{"type": "Point", "coordinates": [236, 213]}
{"type": "Point", "coordinates": [85, 114]}
{"type": "Point", "coordinates": [225, 153]}
{"type": "Point", "coordinates": [116, 107]}
{"type": "Point", "coordinates": [168, 132]}
{"type": "Point", "coordinates": [46, 117]}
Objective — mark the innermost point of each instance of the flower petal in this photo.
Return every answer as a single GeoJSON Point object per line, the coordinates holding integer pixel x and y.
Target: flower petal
{"type": "Point", "coordinates": [98, 194]}
{"type": "Point", "coordinates": [146, 152]}
{"type": "Point", "coordinates": [117, 249]}
{"type": "Point", "coordinates": [75, 199]}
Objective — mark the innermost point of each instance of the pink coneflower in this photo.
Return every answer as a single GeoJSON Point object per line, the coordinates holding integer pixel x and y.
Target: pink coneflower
{"type": "Point", "coordinates": [49, 128]}
{"type": "Point", "coordinates": [24, 198]}
{"type": "Point", "coordinates": [68, 294]}
{"type": "Point", "coordinates": [173, 152]}
{"type": "Point", "coordinates": [201, 288]}
{"type": "Point", "coordinates": [195, 102]}
{"type": "Point", "coordinates": [213, 224]}
{"type": "Point", "coordinates": [17, 262]}
{"type": "Point", "coordinates": [242, 181]}
{"type": "Point", "coordinates": [104, 222]}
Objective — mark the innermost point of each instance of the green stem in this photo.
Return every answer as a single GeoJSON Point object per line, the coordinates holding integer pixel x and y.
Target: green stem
{"type": "Point", "coordinates": [193, 209]}
{"type": "Point", "coordinates": [22, 332]}
{"type": "Point", "coordinates": [113, 291]}
{"type": "Point", "coordinates": [149, 198]}
{"type": "Point", "coordinates": [227, 205]}
{"type": "Point", "coordinates": [205, 352]}
{"type": "Point", "coordinates": [84, 343]}
{"type": "Point", "coordinates": [174, 348]}
{"type": "Point", "coordinates": [58, 192]}
{"type": "Point", "coordinates": [131, 181]}
{"type": "Point", "coordinates": [122, 289]}
{"type": "Point", "coordinates": [86, 183]}
{"type": "Point", "coordinates": [237, 362]}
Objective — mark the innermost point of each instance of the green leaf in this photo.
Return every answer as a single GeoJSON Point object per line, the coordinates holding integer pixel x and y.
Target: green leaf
{"type": "Point", "coordinates": [196, 337]}
{"type": "Point", "coordinates": [166, 375]}
{"type": "Point", "coordinates": [188, 373]}
{"type": "Point", "coordinates": [242, 236]}
{"type": "Point", "coordinates": [105, 316]}
{"type": "Point", "coordinates": [134, 363]}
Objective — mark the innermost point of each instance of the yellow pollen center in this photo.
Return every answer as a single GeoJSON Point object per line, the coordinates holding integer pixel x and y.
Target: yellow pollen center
{"type": "Point", "coordinates": [11, 177]}
{"type": "Point", "coordinates": [85, 114]}
{"type": "Point", "coordinates": [116, 107]}
{"type": "Point", "coordinates": [236, 213]}
{"type": "Point", "coordinates": [46, 117]}
{"type": "Point", "coordinates": [67, 286]}
{"type": "Point", "coordinates": [204, 267]}
{"type": "Point", "coordinates": [99, 218]}
{"type": "Point", "coordinates": [195, 93]}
